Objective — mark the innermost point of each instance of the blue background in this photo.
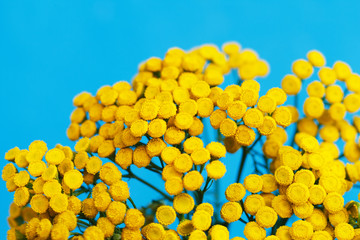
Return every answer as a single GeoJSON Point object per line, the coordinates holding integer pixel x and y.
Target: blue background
{"type": "Point", "coordinates": [52, 50]}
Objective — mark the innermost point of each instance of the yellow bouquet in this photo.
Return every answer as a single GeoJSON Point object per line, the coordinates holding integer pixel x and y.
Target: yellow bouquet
{"type": "Point", "coordinates": [304, 156]}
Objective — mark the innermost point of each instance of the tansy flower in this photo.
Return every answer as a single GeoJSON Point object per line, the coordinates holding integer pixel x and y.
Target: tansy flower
{"type": "Point", "coordinates": [124, 157]}
{"type": "Point", "coordinates": [244, 135]}
{"type": "Point", "coordinates": [291, 84]}
{"type": "Point", "coordinates": [119, 191]}
{"type": "Point", "coordinates": [278, 95]}
{"type": "Point", "coordinates": [333, 202]}
{"type": "Point", "coordinates": [134, 219]}
{"type": "Point", "coordinates": [317, 219]}
{"type": "Point", "coordinates": [253, 118]}
{"type": "Point", "coordinates": [166, 215]}
{"type": "Point", "coordinates": [231, 211]}
{"type": "Point", "coordinates": [298, 193]}
{"type": "Point", "coordinates": [284, 175]}
{"type": "Point", "coordinates": [236, 110]}
{"type": "Point", "coordinates": [39, 203]}
{"type": "Point", "coordinates": [174, 185]}
{"type": "Point", "coordinates": [59, 202]}
{"type": "Point", "coordinates": [342, 70]}
{"type": "Point", "coordinates": [219, 232]}
{"type": "Point", "coordinates": [215, 169]}
{"type": "Point", "coordinates": [60, 232]}
{"type": "Point", "coordinates": [282, 206]}
{"type": "Point", "coordinates": [301, 229]}
{"type": "Point", "coordinates": [193, 180]}
{"type": "Point", "coordinates": [204, 107]}
{"type": "Point", "coordinates": [338, 217]}
{"type": "Point", "coordinates": [266, 217]}
{"type": "Point", "coordinates": [253, 203]}
{"type": "Point", "coordinates": [253, 231]}
{"type": "Point", "coordinates": [183, 203]}
{"type": "Point", "coordinates": [93, 232]}
{"type": "Point", "coordinates": [216, 149]}
{"type": "Point", "coordinates": [344, 231]}
{"type": "Point", "coordinates": [116, 212]}
{"type": "Point", "coordinates": [197, 234]}
{"type": "Point", "coordinates": [191, 144]}
{"type": "Point", "coordinates": [185, 228]}
{"type": "Point", "coordinates": [253, 183]}
{"type": "Point", "coordinates": [303, 210]}
{"type": "Point", "coordinates": [235, 192]}
{"type": "Point", "coordinates": [302, 68]}
{"type": "Point", "coordinates": [105, 226]}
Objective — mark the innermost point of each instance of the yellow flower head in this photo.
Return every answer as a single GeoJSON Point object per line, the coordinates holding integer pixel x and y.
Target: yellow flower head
{"type": "Point", "coordinates": [284, 175]}
{"type": "Point", "coordinates": [185, 227]}
{"type": "Point", "coordinates": [282, 206]}
{"type": "Point", "coordinates": [215, 169]}
{"type": "Point", "coordinates": [55, 156]}
{"type": "Point", "coordinates": [344, 231]}
{"type": "Point", "coordinates": [244, 135]}
{"type": "Point", "coordinates": [193, 180]}
{"type": "Point", "coordinates": [253, 183]}
{"type": "Point", "coordinates": [333, 202]}
{"type": "Point", "coordinates": [291, 84]}
{"type": "Point", "coordinates": [183, 203]}
{"type": "Point", "coordinates": [166, 215]}
{"type": "Point", "coordinates": [253, 231]}
{"type": "Point", "coordinates": [201, 220]}
{"type": "Point", "coordinates": [298, 193]}
{"type": "Point", "coordinates": [266, 217]}
{"type": "Point", "coordinates": [302, 68]}
{"type": "Point", "coordinates": [231, 212]}
{"type": "Point", "coordinates": [253, 203]}
{"type": "Point", "coordinates": [116, 212]}
{"type": "Point", "coordinates": [235, 192]}
{"type": "Point", "coordinates": [134, 219]}
{"type": "Point", "coordinates": [174, 185]}
{"type": "Point", "coordinates": [301, 230]}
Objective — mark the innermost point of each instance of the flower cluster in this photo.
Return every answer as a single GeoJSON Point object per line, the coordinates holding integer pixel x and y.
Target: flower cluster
{"type": "Point", "coordinates": [161, 122]}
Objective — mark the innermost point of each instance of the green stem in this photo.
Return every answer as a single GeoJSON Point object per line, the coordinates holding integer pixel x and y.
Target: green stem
{"type": "Point", "coordinates": [132, 202]}
{"type": "Point", "coordinates": [296, 104]}
{"type": "Point", "coordinates": [242, 164]}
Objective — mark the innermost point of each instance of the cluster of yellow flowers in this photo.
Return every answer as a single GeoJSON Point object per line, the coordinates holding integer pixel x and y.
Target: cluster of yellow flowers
{"type": "Point", "coordinates": [157, 124]}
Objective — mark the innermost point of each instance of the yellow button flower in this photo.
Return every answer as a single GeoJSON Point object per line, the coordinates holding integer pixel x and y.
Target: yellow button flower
{"type": "Point", "coordinates": [253, 231]}
{"type": "Point", "coordinates": [235, 192]}
{"type": "Point", "coordinates": [55, 156]}
{"type": "Point", "coordinates": [284, 175]}
{"type": "Point", "coordinates": [244, 135]}
{"type": "Point", "coordinates": [166, 215]}
{"type": "Point", "coordinates": [298, 193]}
{"type": "Point", "coordinates": [316, 58]}
{"type": "Point", "coordinates": [215, 169]}
{"type": "Point", "coordinates": [266, 217]}
{"type": "Point", "coordinates": [253, 203]}
{"type": "Point", "coordinates": [59, 202]}
{"type": "Point", "coordinates": [302, 68]}
{"type": "Point", "coordinates": [193, 180]}
{"type": "Point", "coordinates": [344, 231]}
{"type": "Point", "coordinates": [174, 185]}
{"type": "Point", "coordinates": [231, 212]}
{"type": "Point", "coordinates": [301, 230]}
{"type": "Point", "coordinates": [333, 202]}
{"type": "Point", "coordinates": [185, 227]}
{"type": "Point", "coordinates": [282, 206]}
{"type": "Point", "coordinates": [183, 203]}
{"type": "Point", "coordinates": [342, 70]}
{"type": "Point", "coordinates": [134, 219]}
{"type": "Point", "coordinates": [253, 183]}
